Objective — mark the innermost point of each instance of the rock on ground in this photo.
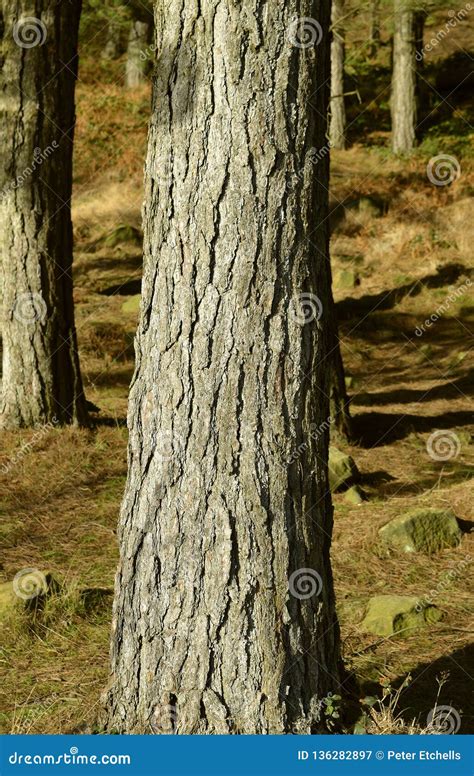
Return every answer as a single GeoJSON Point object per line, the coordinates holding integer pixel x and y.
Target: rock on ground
{"type": "Point", "coordinates": [422, 530]}
{"type": "Point", "coordinates": [390, 614]}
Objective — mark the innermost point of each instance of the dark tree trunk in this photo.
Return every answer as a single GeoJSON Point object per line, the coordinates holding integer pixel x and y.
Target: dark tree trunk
{"type": "Point", "coordinates": [403, 97]}
{"type": "Point", "coordinates": [137, 54]}
{"type": "Point", "coordinates": [337, 126]}
{"type": "Point", "coordinates": [374, 27]}
{"type": "Point", "coordinates": [41, 378]}
{"type": "Point", "coordinates": [339, 400]}
{"type": "Point", "coordinates": [227, 508]}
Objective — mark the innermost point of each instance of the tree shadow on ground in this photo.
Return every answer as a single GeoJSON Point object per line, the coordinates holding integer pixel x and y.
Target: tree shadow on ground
{"type": "Point", "coordinates": [450, 390]}
{"type": "Point", "coordinates": [373, 429]}
{"type": "Point", "coordinates": [350, 308]}
{"type": "Point", "coordinates": [419, 697]}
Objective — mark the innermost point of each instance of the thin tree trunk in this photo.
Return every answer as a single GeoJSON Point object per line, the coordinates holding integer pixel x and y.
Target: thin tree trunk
{"type": "Point", "coordinates": [374, 27]}
{"type": "Point", "coordinates": [113, 43]}
{"type": "Point", "coordinates": [337, 126]}
{"type": "Point", "coordinates": [41, 378]}
{"type": "Point", "coordinates": [137, 60]}
{"type": "Point", "coordinates": [227, 508]}
{"type": "Point", "coordinates": [339, 400]}
{"type": "Point", "coordinates": [403, 97]}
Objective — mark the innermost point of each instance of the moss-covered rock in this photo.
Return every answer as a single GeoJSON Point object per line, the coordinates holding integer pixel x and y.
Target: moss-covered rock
{"type": "Point", "coordinates": [122, 234]}
{"type": "Point", "coordinates": [354, 495]}
{"type": "Point", "coordinates": [345, 279]}
{"type": "Point", "coordinates": [397, 614]}
{"type": "Point", "coordinates": [342, 470]}
{"type": "Point", "coordinates": [7, 599]}
{"type": "Point", "coordinates": [422, 530]}
{"type": "Point", "coordinates": [132, 304]}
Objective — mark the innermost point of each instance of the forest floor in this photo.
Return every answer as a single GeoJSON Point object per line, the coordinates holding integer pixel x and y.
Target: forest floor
{"type": "Point", "coordinates": [400, 252]}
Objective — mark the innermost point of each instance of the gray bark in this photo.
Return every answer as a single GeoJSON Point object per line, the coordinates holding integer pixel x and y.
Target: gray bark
{"type": "Point", "coordinates": [403, 96]}
{"type": "Point", "coordinates": [227, 502]}
{"type": "Point", "coordinates": [137, 58]}
{"type": "Point", "coordinates": [41, 378]}
{"type": "Point", "coordinates": [337, 126]}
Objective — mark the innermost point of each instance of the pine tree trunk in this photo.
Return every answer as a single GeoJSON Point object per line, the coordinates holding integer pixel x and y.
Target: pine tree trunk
{"type": "Point", "coordinates": [113, 43]}
{"type": "Point", "coordinates": [41, 378]}
{"type": "Point", "coordinates": [137, 59]}
{"type": "Point", "coordinates": [227, 512]}
{"type": "Point", "coordinates": [374, 27]}
{"type": "Point", "coordinates": [337, 127]}
{"type": "Point", "coordinates": [339, 400]}
{"type": "Point", "coordinates": [403, 97]}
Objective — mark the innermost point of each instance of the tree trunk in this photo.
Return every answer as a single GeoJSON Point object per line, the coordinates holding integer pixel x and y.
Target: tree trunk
{"type": "Point", "coordinates": [137, 58]}
{"type": "Point", "coordinates": [337, 127]}
{"type": "Point", "coordinates": [113, 43]}
{"type": "Point", "coordinates": [224, 617]}
{"type": "Point", "coordinates": [339, 400]}
{"type": "Point", "coordinates": [374, 27]}
{"type": "Point", "coordinates": [41, 378]}
{"type": "Point", "coordinates": [403, 97]}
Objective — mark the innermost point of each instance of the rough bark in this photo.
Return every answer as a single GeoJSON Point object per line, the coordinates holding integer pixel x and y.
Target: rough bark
{"type": "Point", "coordinates": [403, 96]}
{"type": "Point", "coordinates": [41, 378]}
{"type": "Point", "coordinates": [137, 59]}
{"type": "Point", "coordinates": [227, 504]}
{"type": "Point", "coordinates": [337, 126]}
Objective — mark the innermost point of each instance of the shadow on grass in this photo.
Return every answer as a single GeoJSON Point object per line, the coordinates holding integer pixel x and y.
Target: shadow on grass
{"type": "Point", "coordinates": [356, 308]}
{"type": "Point", "coordinates": [419, 697]}
{"type": "Point", "coordinates": [451, 390]}
{"type": "Point", "coordinates": [372, 429]}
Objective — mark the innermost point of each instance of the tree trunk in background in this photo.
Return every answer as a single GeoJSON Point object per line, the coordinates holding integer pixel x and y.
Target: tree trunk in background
{"type": "Point", "coordinates": [113, 43]}
{"type": "Point", "coordinates": [421, 92]}
{"type": "Point", "coordinates": [227, 509]}
{"type": "Point", "coordinates": [41, 378]}
{"type": "Point", "coordinates": [403, 97]}
{"type": "Point", "coordinates": [374, 27]}
{"type": "Point", "coordinates": [339, 400]}
{"type": "Point", "coordinates": [137, 59]}
{"type": "Point", "coordinates": [337, 126]}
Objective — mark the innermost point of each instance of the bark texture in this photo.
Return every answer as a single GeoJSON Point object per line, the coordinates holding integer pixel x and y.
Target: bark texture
{"type": "Point", "coordinates": [403, 97]}
{"type": "Point", "coordinates": [337, 126]}
{"type": "Point", "coordinates": [227, 509]}
{"type": "Point", "coordinates": [41, 377]}
{"type": "Point", "coordinates": [137, 59]}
